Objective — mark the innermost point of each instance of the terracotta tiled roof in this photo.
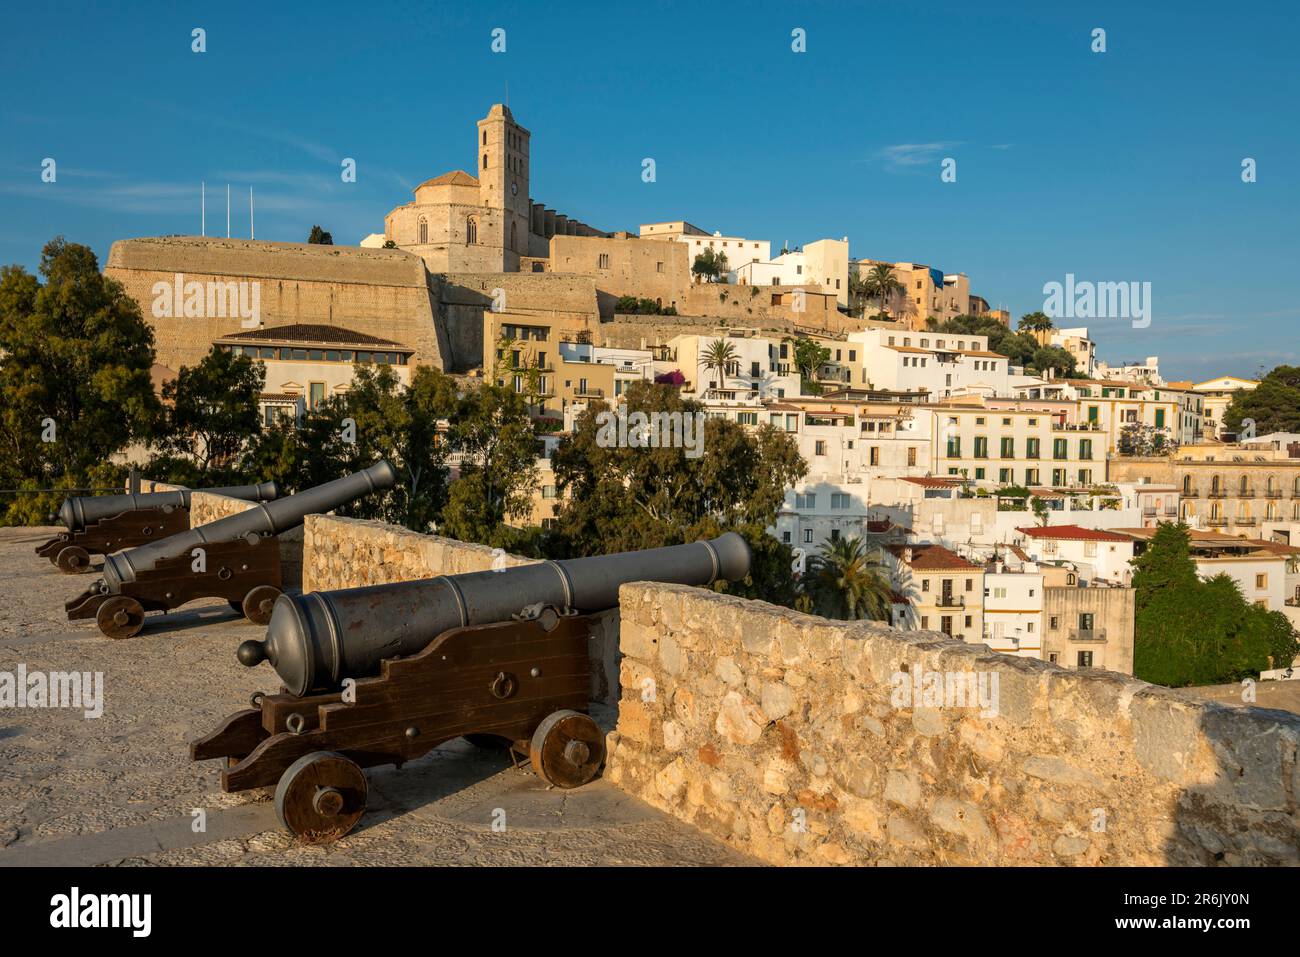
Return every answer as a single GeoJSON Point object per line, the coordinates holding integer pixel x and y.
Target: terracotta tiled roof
{"type": "Point", "coordinates": [1073, 533]}
{"type": "Point", "coordinates": [310, 332]}
{"type": "Point", "coordinates": [930, 482]}
{"type": "Point", "coordinates": [457, 177]}
{"type": "Point", "coordinates": [932, 558]}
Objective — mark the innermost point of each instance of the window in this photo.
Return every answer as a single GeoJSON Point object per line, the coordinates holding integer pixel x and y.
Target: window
{"type": "Point", "coordinates": [875, 455]}
{"type": "Point", "coordinates": [820, 447]}
{"type": "Point", "coordinates": [1085, 448]}
{"type": "Point", "coordinates": [807, 535]}
{"type": "Point", "coordinates": [1053, 622]}
{"type": "Point", "coordinates": [423, 230]}
{"type": "Point", "coordinates": [911, 455]}
{"type": "Point", "coordinates": [1059, 450]}
{"type": "Point", "coordinates": [485, 160]}
{"type": "Point", "coordinates": [548, 491]}
{"type": "Point", "coordinates": [471, 231]}
{"type": "Point", "coordinates": [602, 261]}
{"type": "Point", "coordinates": [785, 537]}
{"type": "Point", "coordinates": [316, 393]}
{"type": "Point", "coordinates": [839, 500]}
{"type": "Point", "coordinates": [1089, 549]}
{"type": "Point", "coordinates": [1008, 448]}
{"type": "Point", "coordinates": [981, 445]}
{"type": "Point", "coordinates": [1085, 659]}
{"type": "Point", "coordinates": [954, 447]}
{"type": "Point", "coordinates": [805, 501]}
{"type": "Point", "coordinates": [1261, 581]}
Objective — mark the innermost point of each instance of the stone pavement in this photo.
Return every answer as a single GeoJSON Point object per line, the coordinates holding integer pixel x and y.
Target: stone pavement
{"type": "Point", "coordinates": [120, 789]}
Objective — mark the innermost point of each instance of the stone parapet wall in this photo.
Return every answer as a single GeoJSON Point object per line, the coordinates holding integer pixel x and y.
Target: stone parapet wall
{"type": "Point", "coordinates": [349, 553]}
{"type": "Point", "coordinates": [205, 507]}
{"type": "Point", "coordinates": [788, 736]}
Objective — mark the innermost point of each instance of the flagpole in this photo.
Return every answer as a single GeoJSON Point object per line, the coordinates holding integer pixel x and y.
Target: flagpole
{"type": "Point", "coordinates": [203, 208]}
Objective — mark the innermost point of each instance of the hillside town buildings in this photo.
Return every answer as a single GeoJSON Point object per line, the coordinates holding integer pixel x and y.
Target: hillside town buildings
{"type": "Point", "coordinates": [1006, 505]}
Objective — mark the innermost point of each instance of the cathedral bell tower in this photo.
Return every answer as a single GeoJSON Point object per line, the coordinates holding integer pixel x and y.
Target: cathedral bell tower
{"type": "Point", "coordinates": [503, 159]}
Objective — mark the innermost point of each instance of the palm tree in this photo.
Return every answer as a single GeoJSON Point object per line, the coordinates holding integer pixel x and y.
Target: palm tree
{"type": "Point", "coordinates": [718, 355]}
{"type": "Point", "coordinates": [848, 582]}
{"type": "Point", "coordinates": [880, 282]}
{"type": "Point", "coordinates": [1035, 322]}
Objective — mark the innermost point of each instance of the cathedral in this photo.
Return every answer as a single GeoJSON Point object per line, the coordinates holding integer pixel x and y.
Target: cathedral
{"type": "Point", "coordinates": [459, 222]}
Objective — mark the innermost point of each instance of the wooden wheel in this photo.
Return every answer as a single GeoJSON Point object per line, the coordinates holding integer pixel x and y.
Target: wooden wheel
{"type": "Point", "coordinates": [120, 617]}
{"type": "Point", "coordinates": [567, 749]}
{"type": "Point", "coordinates": [257, 604]}
{"type": "Point", "coordinates": [73, 560]}
{"type": "Point", "coordinates": [488, 742]}
{"type": "Point", "coordinates": [320, 797]}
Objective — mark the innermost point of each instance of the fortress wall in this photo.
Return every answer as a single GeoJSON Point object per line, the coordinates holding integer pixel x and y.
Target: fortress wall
{"type": "Point", "coordinates": [464, 296]}
{"type": "Point", "coordinates": [380, 292]}
{"type": "Point", "coordinates": [787, 736]}
{"type": "Point", "coordinates": [349, 553]}
{"type": "Point", "coordinates": [206, 507]}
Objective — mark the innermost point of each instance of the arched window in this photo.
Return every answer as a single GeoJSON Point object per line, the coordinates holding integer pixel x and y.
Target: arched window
{"type": "Point", "coordinates": [471, 231]}
{"type": "Point", "coordinates": [1295, 511]}
{"type": "Point", "coordinates": [1295, 489]}
{"type": "Point", "coordinates": [1271, 485]}
{"type": "Point", "coordinates": [1187, 485]}
{"type": "Point", "coordinates": [485, 160]}
{"type": "Point", "coordinates": [1215, 484]}
{"type": "Point", "coordinates": [485, 137]}
{"type": "Point", "coordinates": [1271, 514]}
{"type": "Point", "coordinates": [513, 234]}
{"type": "Point", "coordinates": [1243, 485]}
{"type": "Point", "coordinates": [424, 230]}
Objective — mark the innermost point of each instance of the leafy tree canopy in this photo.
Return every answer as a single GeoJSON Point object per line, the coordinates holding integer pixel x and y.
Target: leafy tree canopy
{"type": "Point", "coordinates": [75, 386]}
{"type": "Point", "coordinates": [319, 237]}
{"type": "Point", "coordinates": [1274, 404]}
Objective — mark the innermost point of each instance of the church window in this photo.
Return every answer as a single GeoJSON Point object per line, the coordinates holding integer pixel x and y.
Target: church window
{"type": "Point", "coordinates": [471, 231]}
{"type": "Point", "coordinates": [424, 230]}
{"type": "Point", "coordinates": [485, 166]}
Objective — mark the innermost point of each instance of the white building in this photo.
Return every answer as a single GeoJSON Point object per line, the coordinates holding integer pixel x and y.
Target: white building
{"type": "Point", "coordinates": [824, 263]}
{"type": "Point", "coordinates": [1094, 553]}
{"type": "Point", "coordinates": [738, 250]}
{"type": "Point", "coordinates": [944, 364]}
{"type": "Point", "coordinates": [755, 370]}
{"type": "Point", "coordinates": [1013, 607]}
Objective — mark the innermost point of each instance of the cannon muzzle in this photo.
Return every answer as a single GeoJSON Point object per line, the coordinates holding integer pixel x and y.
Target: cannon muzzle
{"type": "Point", "coordinates": [79, 511]}
{"type": "Point", "coordinates": [268, 518]}
{"type": "Point", "coordinates": [317, 640]}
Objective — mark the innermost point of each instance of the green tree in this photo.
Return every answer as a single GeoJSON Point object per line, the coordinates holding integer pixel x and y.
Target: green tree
{"type": "Point", "coordinates": [848, 581]}
{"type": "Point", "coordinates": [808, 358]}
{"type": "Point", "coordinates": [1059, 361]}
{"type": "Point", "coordinates": [881, 284]}
{"type": "Point", "coordinates": [75, 386]}
{"type": "Point", "coordinates": [1191, 631]}
{"type": "Point", "coordinates": [621, 498]}
{"type": "Point", "coordinates": [212, 413]}
{"type": "Point", "coordinates": [1035, 322]}
{"type": "Point", "coordinates": [319, 237]}
{"type": "Point", "coordinates": [1273, 405]}
{"type": "Point", "coordinates": [498, 446]}
{"type": "Point", "coordinates": [710, 265]}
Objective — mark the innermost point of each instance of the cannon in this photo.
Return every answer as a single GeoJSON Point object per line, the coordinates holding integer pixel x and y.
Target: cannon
{"type": "Point", "coordinates": [385, 673]}
{"type": "Point", "coordinates": [236, 558]}
{"type": "Point", "coordinates": [103, 524]}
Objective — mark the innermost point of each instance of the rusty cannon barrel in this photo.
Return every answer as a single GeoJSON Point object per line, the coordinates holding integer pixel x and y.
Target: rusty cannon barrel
{"type": "Point", "coordinates": [79, 511]}
{"type": "Point", "coordinates": [268, 518]}
{"type": "Point", "coordinates": [315, 641]}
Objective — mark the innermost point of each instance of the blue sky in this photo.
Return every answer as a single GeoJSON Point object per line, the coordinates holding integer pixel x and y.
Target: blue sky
{"type": "Point", "coordinates": [1119, 166]}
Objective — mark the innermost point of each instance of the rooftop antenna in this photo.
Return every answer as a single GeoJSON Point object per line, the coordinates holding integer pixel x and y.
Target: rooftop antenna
{"type": "Point", "coordinates": [203, 208]}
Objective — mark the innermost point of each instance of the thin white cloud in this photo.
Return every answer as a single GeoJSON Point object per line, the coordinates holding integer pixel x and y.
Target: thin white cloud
{"type": "Point", "coordinates": [910, 155]}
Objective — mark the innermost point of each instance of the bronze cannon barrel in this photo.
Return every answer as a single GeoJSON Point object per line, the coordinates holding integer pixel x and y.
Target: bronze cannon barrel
{"type": "Point", "coordinates": [79, 511]}
{"type": "Point", "coordinates": [268, 518]}
{"type": "Point", "coordinates": [317, 640]}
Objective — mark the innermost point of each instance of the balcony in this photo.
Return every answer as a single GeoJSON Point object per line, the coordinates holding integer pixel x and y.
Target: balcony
{"type": "Point", "coordinates": [1244, 521]}
{"type": "Point", "coordinates": [588, 392]}
{"type": "Point", "coordinates": [1293, 602]}
{"type": "Point", "coordinates": [950, 601]}
{"type": "Point", "coordinates": [1171, 513]}
{"type": "Point", "coordinates": [1273, 493]}
{"type": "Point", "coordinates": [1216, 493]}
{"type": "Point", "coordinates": [1087, 634]}
{"type": "Point", "coordinates": [1216, 522]}
{"type": "Point", "coordinates": [1149, 512]}
{"type": "Point", "coordinates": [1192, 493]}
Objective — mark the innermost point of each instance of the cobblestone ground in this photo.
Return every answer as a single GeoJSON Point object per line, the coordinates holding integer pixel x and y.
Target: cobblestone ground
{"type": "Point", "coordinates": [120, 789]}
